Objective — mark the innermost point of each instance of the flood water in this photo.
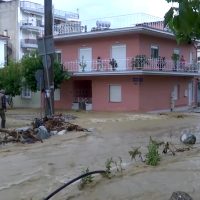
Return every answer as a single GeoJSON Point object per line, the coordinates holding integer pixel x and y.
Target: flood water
{"type": "Point", "coordinates": [33, 171]}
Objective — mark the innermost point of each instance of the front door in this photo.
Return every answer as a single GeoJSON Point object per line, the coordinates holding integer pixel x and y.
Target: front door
{"type": "Point", "coordinates": [85, 59]}
{"type": "Point", "coordinates": [119, 54]}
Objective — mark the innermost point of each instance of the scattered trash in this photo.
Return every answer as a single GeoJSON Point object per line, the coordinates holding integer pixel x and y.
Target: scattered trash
{"type": "Point", "coordinates": [188, 138]}
{"type": "Point", "coordinates": [180, 196]}
{"type": "Point", "coordinates": [62, 132]}
{"type": "Point", "coordinates": [42, 132]}
{"type": "Point", "coordinates": [41, 129]}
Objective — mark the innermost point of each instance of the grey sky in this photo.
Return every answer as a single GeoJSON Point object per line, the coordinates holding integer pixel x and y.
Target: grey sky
{"type": "Point", "coordinates": [93, 9]}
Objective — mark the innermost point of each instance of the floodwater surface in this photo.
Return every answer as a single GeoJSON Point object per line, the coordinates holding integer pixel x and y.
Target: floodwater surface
{"type": "Point", "coordinates": [33, 171]}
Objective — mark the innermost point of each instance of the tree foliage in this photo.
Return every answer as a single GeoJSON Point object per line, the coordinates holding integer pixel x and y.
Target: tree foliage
{"type": "Point", "coordinates": [59, 74]}
{"type": "Point", "coordinates": [184, 20]}
{"type": "Point", "coordinates": [10, 78]}
{"type": "Point", "coordinates": [31, 63]}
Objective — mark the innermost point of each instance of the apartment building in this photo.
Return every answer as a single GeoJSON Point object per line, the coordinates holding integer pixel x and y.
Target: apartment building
{"type": "Point", "coordinates": [128, 69]}
{"type": "Point", "coordinates": [24, 22]}
{"type": "Point", "coordinates": [3, 50]}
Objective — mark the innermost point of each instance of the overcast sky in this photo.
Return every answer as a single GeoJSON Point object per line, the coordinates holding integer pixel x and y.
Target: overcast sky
{"type": "Point", "coordinates": [93, 9]}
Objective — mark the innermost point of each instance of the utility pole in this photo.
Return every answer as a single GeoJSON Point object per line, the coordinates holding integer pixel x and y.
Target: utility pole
{"type": "Point", "coordinates": [48, 60]}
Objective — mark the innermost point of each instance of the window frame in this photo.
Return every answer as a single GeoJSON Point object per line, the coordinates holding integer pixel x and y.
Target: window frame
{"type": "Point", "coordinates": [26, 92]}
{"type": "Point", "coordinates": [119, 96]}
{"type": "Point", "coordinates": [154, 47]}
{"type": "Point", "coordinates": [58, 56]}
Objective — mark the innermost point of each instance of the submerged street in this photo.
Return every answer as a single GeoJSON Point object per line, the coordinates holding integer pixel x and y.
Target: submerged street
{"type": "Point", "coordinates": [33, 171]}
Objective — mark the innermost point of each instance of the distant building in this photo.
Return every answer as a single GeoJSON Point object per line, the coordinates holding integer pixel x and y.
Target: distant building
{"type": "Point", "coordinates": [24, 22]}
{"type": "Point", "coordinates": [127, 69]}
{"type": "Point", "coordinates": [124, 68]}
{"type": "Point", "coordinates": [3, 50]}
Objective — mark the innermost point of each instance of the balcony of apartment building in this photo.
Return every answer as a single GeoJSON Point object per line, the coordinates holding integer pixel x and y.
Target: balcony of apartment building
{"type": "Point", "coordinates": [31, 7]}
{"type": "Point", "coordinates": [129, 66]}
{"type": "Point", "coordinates": [29, 43]}
{"type": "Point", "coordinates": [33, 25]}
{"type": "Point", "coordinates": [118, 22]}
{"type": "Point", "coordinates": [64, 15]}
{"type": "Point", "coordinates": [36, 8]}
{"type": "Point", "coordinates": [68, 27]}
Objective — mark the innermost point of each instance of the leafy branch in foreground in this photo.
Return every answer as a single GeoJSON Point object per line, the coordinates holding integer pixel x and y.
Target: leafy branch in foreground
{"type": "Point", "coordinates": [108, 164]}
{"type": "Point", "coordinates": [85, 180]}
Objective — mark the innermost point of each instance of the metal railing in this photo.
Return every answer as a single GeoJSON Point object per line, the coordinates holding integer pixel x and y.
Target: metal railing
{"type": "Point", "coordinates": [129, 64]}
{"type": "Point", "coordinates": [67, 28]}
{"type": "Point", "coordinates": [38, 8]}
{"type": "Point", "coordinates": [29, 43]}
{"type": "Point", "coordinates": [27, 5]}
{"type": "Point", "coordinates": [121, 21]}
{"type": "Point", "coordinates": [37, 26]}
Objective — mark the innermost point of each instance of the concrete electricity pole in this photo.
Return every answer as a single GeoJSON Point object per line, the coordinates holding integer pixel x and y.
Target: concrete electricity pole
{"type": "Point", "coordinates": [48, 60]}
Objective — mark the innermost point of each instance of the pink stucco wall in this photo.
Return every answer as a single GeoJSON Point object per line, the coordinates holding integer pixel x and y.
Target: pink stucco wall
{"type": "Point", "coordinates": [155, 92]}
{"type": "Point", "coordinates": [135, 44]}
{"type": "Point", "coordinates": [66, 96]}
{"type": "Point", "coordinates": [100, 93]}
{"type": "Point", "coordinates": [166, 47]}
{"type": "Point", "coordinates": [152, 93]}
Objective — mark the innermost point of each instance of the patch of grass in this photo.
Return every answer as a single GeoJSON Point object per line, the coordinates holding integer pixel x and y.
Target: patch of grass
{"type": "Point", "coordinates": [153, 156]}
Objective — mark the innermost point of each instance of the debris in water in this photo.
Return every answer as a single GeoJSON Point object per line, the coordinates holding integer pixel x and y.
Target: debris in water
{"type": "Point", "coordinates": [41, 129]}
{"type": "Point", "coordinates": [180, 196]}
{"type": "Point", "coordinates": [188, 138]}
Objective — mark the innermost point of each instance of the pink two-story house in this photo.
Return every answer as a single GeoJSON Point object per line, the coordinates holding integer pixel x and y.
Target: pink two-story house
{"type": "Point", "coordinates": [127, 69]}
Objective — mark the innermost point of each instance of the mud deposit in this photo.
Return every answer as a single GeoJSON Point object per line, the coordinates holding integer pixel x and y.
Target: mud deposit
{"type": "Point", "coordinates": [33, 171]}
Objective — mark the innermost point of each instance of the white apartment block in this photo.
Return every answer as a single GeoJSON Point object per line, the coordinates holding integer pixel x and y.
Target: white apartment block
{"type": "Point", "coordinates": [24, 23]}
{"type": "Point", "coordinates": [3, 50]}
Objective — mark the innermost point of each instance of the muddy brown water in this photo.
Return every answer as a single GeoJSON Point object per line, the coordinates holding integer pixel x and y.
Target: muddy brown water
{"type": "Point", "coordinates": [33, 171]}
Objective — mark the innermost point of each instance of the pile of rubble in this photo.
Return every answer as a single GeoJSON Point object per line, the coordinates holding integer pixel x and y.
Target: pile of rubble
{"type": "Point", "coordinates": [39, 130]}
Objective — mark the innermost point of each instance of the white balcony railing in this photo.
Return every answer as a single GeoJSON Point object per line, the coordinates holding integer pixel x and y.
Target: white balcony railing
{"type": "Point", "coordinates": [38, 8]}
{"type": "Point", "coordinates": [127, 65]}
{"type": "Point", "coordinates": [29, 43]}
{"type": "Point", "coordinates": [37, 26]}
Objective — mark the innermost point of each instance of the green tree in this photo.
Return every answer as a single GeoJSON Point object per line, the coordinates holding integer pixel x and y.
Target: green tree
{"type": "Point", "coordinates": [10, 78]}
{"type": "Point", "coordinates": [59, 74]}
{"type": "Point", "coordinates": [183, 18]}
{"type": "Point", "coordinates": [31, 63]}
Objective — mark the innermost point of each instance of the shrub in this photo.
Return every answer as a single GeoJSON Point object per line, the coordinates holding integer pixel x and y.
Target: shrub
{"type": "Point", "coordinates": [153, 156]}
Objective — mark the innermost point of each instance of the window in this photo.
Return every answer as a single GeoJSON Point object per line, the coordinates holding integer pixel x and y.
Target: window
{"type": "Point", "coordinates": [176, 92]}
{"type": "Point", "coordinates": [57, 95]}
{"type": "Point", "coordinates": [154, 51]}
{"type": "Point", "coordinates": [176, 51]}
{"type": "Point", "coordinates": [58, 56]}
{"type": "Point", "coordinates": [115, 93]}
{"type": "Point", "coordinates": [26, 92]}
{"type": "Point", "coordinates": [5, 55]}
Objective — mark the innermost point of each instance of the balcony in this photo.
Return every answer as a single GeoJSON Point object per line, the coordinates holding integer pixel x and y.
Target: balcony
{"type": "Point", "coordinates": [32, 7]}
{"type": "Point", "coordinates": [126, 67]}
{"type": "Point", "coordinates": [67, 28]}
{"type": "Point", "coordinates": [29, 43]}
{"type": "Point", "coordinates": [37, 26]}
{"type": "Point", "coordinates": [36, 8]}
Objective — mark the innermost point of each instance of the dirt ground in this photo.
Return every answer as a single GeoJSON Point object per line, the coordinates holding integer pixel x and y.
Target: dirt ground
{"type": "Point", "coordinates": [33, 171]}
